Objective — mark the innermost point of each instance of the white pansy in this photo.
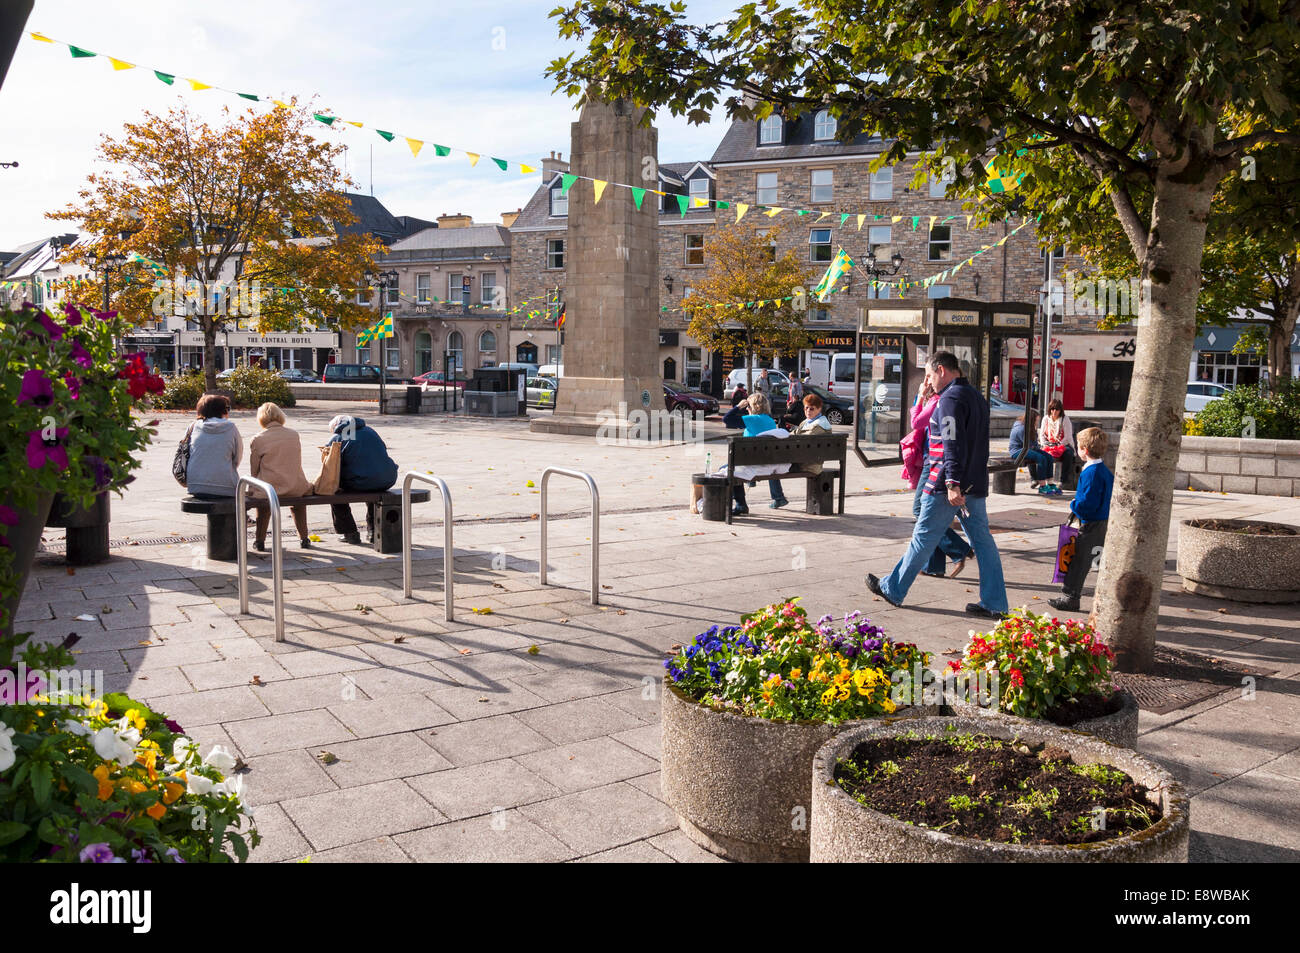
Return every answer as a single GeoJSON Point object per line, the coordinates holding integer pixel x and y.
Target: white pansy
{"type": "Point", "coordinates": [74, 727]}
{"type": "Point", "coordinates": [221, 759]}
{"type": "Point", "coordinates": [111, 746]}
{"type": "Point", "coordinates": [7, 755]}
{"type": "Point", "coordinates": [181, 747]}
{"type": "Point", "coordinates": [232, 786]}
{"type": "Point", "coordinates": [196, 783]}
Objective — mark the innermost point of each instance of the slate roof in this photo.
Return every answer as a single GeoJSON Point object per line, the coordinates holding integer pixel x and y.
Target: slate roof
{"type": "Point", "coordinates": [374, 219]}
{"type": "Point", "coordinates": [536, 212]}
{"type": "Point", "coordinates": [474, 236]}
{"type": "Point", "coordinates": [740, 144]}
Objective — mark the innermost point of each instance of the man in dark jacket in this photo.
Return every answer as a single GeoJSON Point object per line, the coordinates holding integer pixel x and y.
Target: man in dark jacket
{"type": "Point", "coordinates": [365, 467]}
{"type": "Point", "coordinates": [956, 473]}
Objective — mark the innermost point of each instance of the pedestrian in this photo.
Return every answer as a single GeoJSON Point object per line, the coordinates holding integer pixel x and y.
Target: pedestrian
{"type": "Point", "coordinates": [215, 450]}
{"type": "Point", "coordinates": [758, 423]}
{"type": "Point", "coordinates": [365, 467]}
{"type": "Point", "coordinates": [997, 387]}
{"type": "Point", "coordinates": [956, 484]}
{"type": "Point", "coordinates": [275, 457]}
{"type": "Point", "coordinates": [813, 422]}
{"type": "Point", "coordinates": [1091, 506]}
{"type": "Point", "coordinates": [914, 449]}
{"type": "Point", "coordinates": [739, 394]}
{"type": "Point", "coordinates": [1056, 435]}
{"type": "Point", "coordinates": [1025, 429]}
{"type": "Point", "coordinates": [764, 384]}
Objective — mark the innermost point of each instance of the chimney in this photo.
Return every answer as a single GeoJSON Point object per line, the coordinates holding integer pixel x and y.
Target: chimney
{"type": "Point", "coordinates": [508, 218]}
{"type": "Point", "coordinates": [552, 164]}
{"type": "Point", "coordinates": [459, 220]}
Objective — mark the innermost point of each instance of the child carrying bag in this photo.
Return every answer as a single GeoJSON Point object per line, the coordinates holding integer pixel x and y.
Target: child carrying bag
{"type": "Point", "coordinates": [1066, 540]}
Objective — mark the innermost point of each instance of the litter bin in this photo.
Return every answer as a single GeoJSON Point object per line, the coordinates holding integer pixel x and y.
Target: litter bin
{"type": "Point", "coordinates": [413, 399]}
{"type": "Point", "coordinates": [715, 496]}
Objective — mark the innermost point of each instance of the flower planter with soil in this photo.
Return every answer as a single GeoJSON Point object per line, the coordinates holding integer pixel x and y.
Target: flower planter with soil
{"type": "Point", "coordinates": [1113, 718]}
{"type": "Point", "coordinates": [1242, 560]}
{"type": "Point", "coordinates": [744, 711]}
{"type": "Point", "coordinates": [1021, 791]}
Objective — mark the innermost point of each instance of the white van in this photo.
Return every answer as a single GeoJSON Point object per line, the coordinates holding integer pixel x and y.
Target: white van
{"type": "Point", "coordinates": [551, 370]}
{"type": "Point", "coordinates": [740, 375]}
{"type": "Point", "coordinates": [842, 377]}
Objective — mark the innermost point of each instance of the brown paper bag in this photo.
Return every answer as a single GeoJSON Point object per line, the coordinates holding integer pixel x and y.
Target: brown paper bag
{"type": "Point", "coordinates": [697, 494]}
{"type": "Point", "coordinates": [327, 483]}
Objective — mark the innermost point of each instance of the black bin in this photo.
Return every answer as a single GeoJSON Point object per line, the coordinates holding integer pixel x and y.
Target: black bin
{"type": "Point", "coordinates": [491, 379]}
{"type": "Point", "coordinates": [413, 398]}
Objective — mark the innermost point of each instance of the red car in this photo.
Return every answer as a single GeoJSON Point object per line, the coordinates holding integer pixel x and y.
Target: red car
{"type": "Point", "coordinates": [436, 379]}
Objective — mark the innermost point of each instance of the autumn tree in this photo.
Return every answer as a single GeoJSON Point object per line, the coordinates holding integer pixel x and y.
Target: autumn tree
{"type": "Point", "coordinates": [1143, 109]}
{"type": "Point", "coordinates": [748, 290]}
{"type": "Point", "coordinates": [256, 199]}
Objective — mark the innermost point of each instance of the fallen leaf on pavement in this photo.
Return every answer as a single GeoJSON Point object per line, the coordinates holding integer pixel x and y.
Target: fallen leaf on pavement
{"type": "Point", "coordinates": [315, 538]}
{"type": "Point", "coordinates": [465, 651]}
{"type": "Point", "coordinates": [622, 612]}
{"type": "Point", "coordinates": [327, 757]}
{"type": "Point", "coordinates": [85, 617]}
{"type": "Point", "coordinates": [256, 680]}
{"type": "Point", "coordinates": [400, 639]}
{"type": "Point", "coordinates": [533, 650]}
{"type": "Point", "coordinates": [486, 610]}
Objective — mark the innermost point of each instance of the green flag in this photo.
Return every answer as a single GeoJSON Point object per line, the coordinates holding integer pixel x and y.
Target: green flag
{"type": "Point", "coordinates": [682, 202]}
{"type": "Point", "coordinates": [328, 120]}
{"type": "Point", "coordinates": [638, 196]}
{"type": "Point", "coordinates": [844, 217]}
{"type": "Point", "coordinates": [389, 136]}
{"type": "Point", "coordinates": [167, 78]}
{"type": "Point", "coordinates": [442, 150]}
{"type": "Point", "coordinates": [501, 164]}
{"type": "Point", "coordinates": [838, 267]}
{"type": "Point", "coordinates": [566, 182]}
{"type": "Point", "coordinates": [77, 51]}
{"type": "Point", "coordinates": [251, 96]}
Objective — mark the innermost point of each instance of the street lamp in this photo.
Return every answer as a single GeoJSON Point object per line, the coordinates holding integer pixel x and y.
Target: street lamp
{"type": "Point", "coordinates": [877, 269]}
{"type": "Point", "coordinates": [382, 280]}
{"type": "Point", "coordinates": [106, 265]}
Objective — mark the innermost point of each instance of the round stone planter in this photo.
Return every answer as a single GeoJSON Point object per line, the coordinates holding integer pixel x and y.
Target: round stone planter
{"type": "Point", "coordinates": [843, 831]}
{"type": "Point", "coordinates": [739, 785]}
{"type": "Point", "coordinates": [1227, 565]}
{"type": "Point", "coordinates": [1119, 728]}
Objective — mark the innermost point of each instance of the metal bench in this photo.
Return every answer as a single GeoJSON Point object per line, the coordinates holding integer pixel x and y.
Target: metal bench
{"type": "Point", "coordinates": [384, 515]}
{"type": "Point", "coordinates": [794, 450]}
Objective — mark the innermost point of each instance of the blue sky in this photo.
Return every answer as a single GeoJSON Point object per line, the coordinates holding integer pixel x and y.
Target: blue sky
{"type": "Point", "coordinates": [467, 74]}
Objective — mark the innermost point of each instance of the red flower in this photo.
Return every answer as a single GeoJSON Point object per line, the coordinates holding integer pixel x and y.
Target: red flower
{"type": "Point", "coordinates": [1016, 678]}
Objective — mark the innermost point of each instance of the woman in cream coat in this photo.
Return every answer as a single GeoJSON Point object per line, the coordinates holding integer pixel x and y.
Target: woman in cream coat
{"type": "Point", "coordinates": [275, 456]}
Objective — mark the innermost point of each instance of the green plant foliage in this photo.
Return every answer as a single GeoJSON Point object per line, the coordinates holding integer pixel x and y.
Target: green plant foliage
{"type": "Point", "coordinates": [1245, 412]}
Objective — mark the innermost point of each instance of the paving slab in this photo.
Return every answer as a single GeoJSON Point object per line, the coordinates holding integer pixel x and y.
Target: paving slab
{"type": "Point", "coordinates": [484, 788]}
{"type": "Point", "coordinates": [602, 818]}
{"type": "Point", "coordinates": [359, 813]}
{"type": "Point", "coordinates": [485, 739]}
{"type": "Point", "coordinates": [506, 837]}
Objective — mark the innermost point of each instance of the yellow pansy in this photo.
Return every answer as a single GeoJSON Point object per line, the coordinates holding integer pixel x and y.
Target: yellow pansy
{"type": "Point", "coordinates": [156, 811]}
{"type": "Point", "coordinates": [134, 717]}
{"type": "Point", "coordinates": [172, 791]}
{"type": "Point", "coordinates": [795, 673]}
{"type": "Point", "coordinates": [105, 785]}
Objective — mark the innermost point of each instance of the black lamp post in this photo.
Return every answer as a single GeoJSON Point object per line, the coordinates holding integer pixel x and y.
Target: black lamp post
{"type": "Point", "coordinates": [106, 265]}
{"type": "Point", "coordinates": [382, 280]}
{"type": "Point", "coordinates": [877, 269]}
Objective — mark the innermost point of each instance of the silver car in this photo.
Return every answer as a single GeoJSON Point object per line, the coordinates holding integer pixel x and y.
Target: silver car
{"type": "Point", "coordinates": [1200, 393]}
{"type": "Point", "coordinates": [541, 392]}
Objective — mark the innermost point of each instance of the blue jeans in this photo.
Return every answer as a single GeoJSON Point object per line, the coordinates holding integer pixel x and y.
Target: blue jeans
{"type": "Point", "coordinates": [950, 545]}
{"type": "Point", "coordinates": [936, 516]}
{"type": "Point", "coordinates": [778, 494]}
{"type": "Point", "coordinates": [1040, 464]}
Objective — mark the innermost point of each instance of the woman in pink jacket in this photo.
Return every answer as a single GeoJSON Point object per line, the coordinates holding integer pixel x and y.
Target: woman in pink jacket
{"type": "Point", "coordinates": [913, 447]}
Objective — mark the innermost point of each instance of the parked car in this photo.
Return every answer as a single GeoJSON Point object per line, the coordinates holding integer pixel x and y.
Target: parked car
{"type": "Point", "coordinates": [541, 391]}
{"type": "Point", "coordinates": [740, 375]}
{"type": "Point", "coordinates": [838, 410]}
{"type": "Point", "coordinates": [1004, 408]}
{"type": "Point", "coordinates": [356, 374]}
{"type": "Point", "coordinates": [678, 398]}
{"type": "Point", "coordinates": [1200, 393]}
{"type": "Point", "coordinates": [437, 378]}
{"type": "Point", "coordinates": [300, 375]}
{"type": "Point", "coordinates": [842, 377]}
{"type": "Point", "coordinates": [226, 374]}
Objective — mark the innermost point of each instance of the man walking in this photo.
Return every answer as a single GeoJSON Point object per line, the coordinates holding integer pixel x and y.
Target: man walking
{"type": "Point", "coordinates": [764, 384]}
{"type": "Point", "coordinates": [957, 484]}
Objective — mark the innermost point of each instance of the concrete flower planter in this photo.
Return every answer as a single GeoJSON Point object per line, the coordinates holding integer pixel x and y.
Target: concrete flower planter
{"type": "Point", "coordinates": [739, 785]}
{"type": "Point", "coordinates": [1119, 728]}
{"type": "Point", "coordinates": [1227, 565]}
{"type": "Point", "coordinates": [843, 831]}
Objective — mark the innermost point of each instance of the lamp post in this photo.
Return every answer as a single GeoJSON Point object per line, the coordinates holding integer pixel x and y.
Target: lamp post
{"type": "Point", "coordinates": [106, 265]}
{"type": "Point", "coordinates": [877, 270]}
{"type": "Point", "coordinates": [382, 280]}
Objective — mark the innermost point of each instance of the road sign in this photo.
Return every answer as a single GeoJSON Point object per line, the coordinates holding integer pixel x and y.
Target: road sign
{"type": "Point", "coordinates": [1056, 355]}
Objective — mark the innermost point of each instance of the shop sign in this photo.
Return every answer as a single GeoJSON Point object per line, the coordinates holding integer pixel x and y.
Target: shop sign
{"type": "Point", "coordinates": [1004, 320]}
{"type": "Point", "coordinates": [963, 318]}
{"type": "Point", "coordinates": [894, 318]}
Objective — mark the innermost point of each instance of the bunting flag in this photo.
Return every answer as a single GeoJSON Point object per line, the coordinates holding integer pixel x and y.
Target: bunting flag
{"type": "Point", "coordinates": [121, 64]}
{"type": "Point", "coordinates": [773, 211]}
{"type": "Point", "coordinates": [682, 204]}
{"type": "Point", "coordinates": [415, 144]}
{"type": "Point", "coordinates": [196, 85]}
{"type": "Point", "coordinates": [381, 329]}
{"type": "Point", "coordinates": [741, 209]}
{"type": "Point", "coordinates": [839, 266]}
{"type": "Point", "coordinates": [473, 158]}
{"type": "Point", "coordinates": [566, 183]}
{"type": "Point", "coordinates": [860, 220]}
{"type": "Point", "coordinates": [638, 196]}
{"type": "Point", "coordinates": [600, 188]}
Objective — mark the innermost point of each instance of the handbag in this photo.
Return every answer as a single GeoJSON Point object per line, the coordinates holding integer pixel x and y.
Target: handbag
{"type": "Point", "coordinates": [181, 460]}
{"type": "Point", "coordinates": [1066, 541]}
{"type": "Point", "coordinates": [1055, 450]}
{"type": "Point", "coordinates": [327, 484]}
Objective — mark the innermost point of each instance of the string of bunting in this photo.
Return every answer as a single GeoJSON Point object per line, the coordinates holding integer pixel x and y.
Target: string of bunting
{"type": "Point", "coordinates": [1000, 179]}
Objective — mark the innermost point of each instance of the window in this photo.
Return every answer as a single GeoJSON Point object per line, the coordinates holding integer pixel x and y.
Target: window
{"type": "Point", "coordinates": [819, 244]}
{"type": "Point", "coordinates": [393, 295]}
{"type": "Point", "coordinates": [559, 201]}
{"type": "Point", "coordinates": [453, 288]}
{"type": "Point", "coordinates": [555, 253]}
{"type": "Point", "coordinates": [699, 190]}
{"type": "Point", "coordinates": [771, 246]}
{"type": "Point", "coordinates": [882, 184]}
{"type": "Point", "coordinates": [941, 243]}
{"type": "Point", "coordinates": [765, 183]}
{"type": "Point", "coordinates": [879, 236]}
{"type": "Point", "coordinates": [938, 187]}
{"type": "Point", "coordinates": [1058, 252]}
{"type": "Point", "coordinates": [364, 297]}
{"type": "Point", "coordinates": [819, 314]}
{"type": "Point", "coordinates": [553, 354]}
{"type": "Point", "coordinates": [422, 289]}
{"type": "Point", "coordinates": [769, 131]}
{"type": "Point", "coordinates": [487, 283]}
{"type": "Point", "coordinates": [824, 126]}
{"type": "Point", "coordinates": [822, 185]}
{"type": "Point", "coordinates": [423, 352]}
{"type": "Point", "coordinates": [940, 291]}
{"type": "Point", "coordinates": [455, 352]}
{"type": "Point", "coordinates": [393, 355]}
{"type": "Point", "coordinates": [694, 249]}
{"type": "Point", "coordinates": [487, 343]}
{"type": "Point", "coordinates": [363, 354]}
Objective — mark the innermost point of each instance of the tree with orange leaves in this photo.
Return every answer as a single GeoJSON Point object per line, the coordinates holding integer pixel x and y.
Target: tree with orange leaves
{"type": "Point", "coordinates": [257, 201]}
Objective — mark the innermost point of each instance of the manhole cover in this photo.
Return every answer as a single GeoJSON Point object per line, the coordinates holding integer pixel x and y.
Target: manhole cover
{"type": "Point", "coordinates": [1181, 679]}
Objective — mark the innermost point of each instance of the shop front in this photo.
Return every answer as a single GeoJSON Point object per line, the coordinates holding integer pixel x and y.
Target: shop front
{"type": "Point", "coordinates": [275, 350]}
{"type": "Point", "coordinates": [159, 350]}
{"type": "Point", "coordinates": [1213, 360]}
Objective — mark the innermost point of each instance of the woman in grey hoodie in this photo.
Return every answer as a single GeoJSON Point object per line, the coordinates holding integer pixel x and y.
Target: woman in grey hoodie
{"type": "Point", "coordinates": [215, 450]}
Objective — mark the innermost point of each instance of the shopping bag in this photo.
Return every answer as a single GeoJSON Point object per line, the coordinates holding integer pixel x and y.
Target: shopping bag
{"type": "Point", "coordinates": [327, 483]}
{"type": "Point", "coordinates": [1065, 545]}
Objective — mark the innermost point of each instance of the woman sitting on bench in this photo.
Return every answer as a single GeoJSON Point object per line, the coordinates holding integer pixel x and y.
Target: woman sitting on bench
{"type": "Point", "coordinates": [275, 457]}
{"type": "Point", "coordinates": [758, 423]}
{"type": "Point", "coordinates": [813, 422]}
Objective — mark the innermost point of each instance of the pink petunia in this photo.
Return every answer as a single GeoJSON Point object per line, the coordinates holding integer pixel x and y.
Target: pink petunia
{"type": "Point", "coordinates": [41, 451]}
{"type": "Point", "coordinates": [36, 389]}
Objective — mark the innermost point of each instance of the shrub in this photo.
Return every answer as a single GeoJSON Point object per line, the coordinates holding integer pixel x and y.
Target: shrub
{"type": "Point", "coordinates": [183, 391]}
{"type": "Point", "coordinates": [776, 665]}
{"type": "Point", "coordinates": [249, 387]}
{"type": "Point", "coordinates": [1274, 417]}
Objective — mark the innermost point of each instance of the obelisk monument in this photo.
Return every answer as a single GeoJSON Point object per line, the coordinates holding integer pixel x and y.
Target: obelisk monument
{"type": "Point", "coordinates": [611, 329]}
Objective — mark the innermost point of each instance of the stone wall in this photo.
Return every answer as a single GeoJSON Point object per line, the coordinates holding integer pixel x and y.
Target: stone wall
{"type": "Point", "coordinates": [1233, 465]}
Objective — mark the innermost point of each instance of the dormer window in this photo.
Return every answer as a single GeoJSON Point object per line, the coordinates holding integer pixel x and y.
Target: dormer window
{"type": "Point", "coordinates": [699, 190]}
{"type": "Point", "coordinates": [770, 131]}
{"type": "Point", "coordinates": [559, 201]}
{"type": "Point", "coordinates": [824, 126]}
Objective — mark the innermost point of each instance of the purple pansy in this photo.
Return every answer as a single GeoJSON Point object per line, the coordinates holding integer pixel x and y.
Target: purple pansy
{"type": "Point", "coordinates": [100, 470]}
{"type": "Point", "coordinates": [141, 856]}
{"type": "Point", "coordinates": [106, 315]}
{"type": "Point", "coordinates": [175, 856]}
{"type": "Point", "coordinates": [36, 389]}
{"type": "Point", "coordinates": [99, 854]}
{"type": "Point", "coordinates": [41, 451]}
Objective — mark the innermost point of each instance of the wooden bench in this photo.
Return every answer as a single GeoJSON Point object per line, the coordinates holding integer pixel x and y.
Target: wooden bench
{"type": "Point", "coordinates": [794, 450]}
{"type": "Point", "coordinates": [384, 513]}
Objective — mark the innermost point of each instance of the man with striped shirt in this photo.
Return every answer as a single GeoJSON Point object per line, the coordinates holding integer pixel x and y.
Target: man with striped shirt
{"type": "Point", "coordinates": [956, 484]}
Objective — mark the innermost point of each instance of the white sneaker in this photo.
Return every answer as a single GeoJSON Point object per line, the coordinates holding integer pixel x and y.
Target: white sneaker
{"type": "Point", "coordinates": [1035, 484]}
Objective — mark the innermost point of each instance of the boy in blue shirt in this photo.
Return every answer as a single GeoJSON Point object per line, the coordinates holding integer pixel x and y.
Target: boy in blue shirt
{"type": "Point", "coordinates": [1091, 504]}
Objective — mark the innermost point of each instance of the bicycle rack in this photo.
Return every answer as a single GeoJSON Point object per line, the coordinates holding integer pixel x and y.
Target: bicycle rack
{"type": "Point", "coordinates": [595, 526]}
{"type": "Point", "coordinates": [277, 553]}
{"type": "Point", "coordinates": [448, 554]}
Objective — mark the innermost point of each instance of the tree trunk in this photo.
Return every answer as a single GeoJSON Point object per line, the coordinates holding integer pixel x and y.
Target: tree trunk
{"type": "Point", "coordinates": [209, 356]}
{"type": "Point", "coordinates": [1281, 329]}
{"type": "Point", "coordinates": [1127, 600]}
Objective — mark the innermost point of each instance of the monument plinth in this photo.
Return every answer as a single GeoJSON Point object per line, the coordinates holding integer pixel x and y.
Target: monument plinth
{"type": "Point", "coordinates": [611, 331]}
